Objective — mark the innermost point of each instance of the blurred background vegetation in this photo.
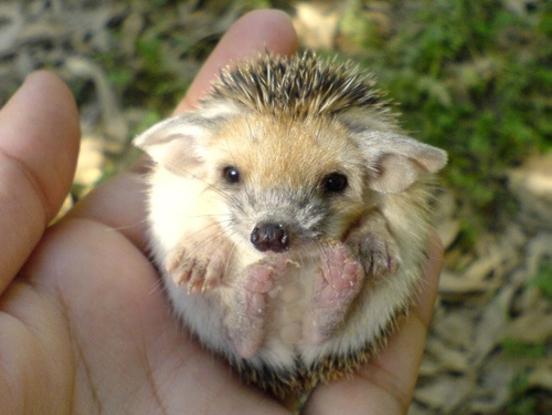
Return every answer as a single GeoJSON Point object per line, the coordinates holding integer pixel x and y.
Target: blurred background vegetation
{"type": "Point", "coordinates": [471, 76]}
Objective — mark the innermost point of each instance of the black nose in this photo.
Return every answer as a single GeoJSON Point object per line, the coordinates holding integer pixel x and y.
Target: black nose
{"type": "Point", "coordinates": [270, 237]}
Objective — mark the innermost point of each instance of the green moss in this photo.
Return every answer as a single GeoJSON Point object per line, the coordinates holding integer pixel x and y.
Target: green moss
{"type": "Point", "coordinates": [521, 403]}
{"type": "Point", "coordinates": [525, 405]}
{"type": "Point", "coordinates": [520, 349]}
{"type": "Point", "coordinates": [120, 77]}
{"type": "Point", "coordinates": [149, 50]}
{"type": "Point", "coordinates": [543, 279]}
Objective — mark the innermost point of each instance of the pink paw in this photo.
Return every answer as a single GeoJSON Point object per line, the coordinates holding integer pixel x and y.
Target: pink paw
{"type": "Point", "coordinates": [336, 286]}
{"type": "Point", "coordinates": [246, 324]}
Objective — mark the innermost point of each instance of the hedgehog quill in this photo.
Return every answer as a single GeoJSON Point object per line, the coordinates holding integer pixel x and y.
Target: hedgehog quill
{"type": "Point", "coordinates": [288, 215]}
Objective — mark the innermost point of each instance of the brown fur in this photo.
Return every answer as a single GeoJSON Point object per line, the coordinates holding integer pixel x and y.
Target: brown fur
{"type": "Point", "coordinates": [299, 86]}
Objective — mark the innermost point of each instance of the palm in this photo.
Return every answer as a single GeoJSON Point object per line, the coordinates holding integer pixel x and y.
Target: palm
{"type": "Point", "coordinates": [113, 332]}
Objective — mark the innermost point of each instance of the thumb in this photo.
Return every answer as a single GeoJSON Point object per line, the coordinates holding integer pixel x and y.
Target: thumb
{"type": "Point", "coordinates": [39, 141]}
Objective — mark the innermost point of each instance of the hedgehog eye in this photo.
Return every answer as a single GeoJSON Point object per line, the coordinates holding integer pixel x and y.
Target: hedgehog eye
{"type": "Point", "coordinates": [335, 182]}
{"type": "Point", "coordinates": [231, 174]}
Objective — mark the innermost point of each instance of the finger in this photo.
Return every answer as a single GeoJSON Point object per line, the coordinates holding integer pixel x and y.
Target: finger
{"type": "Point", "coordinates": [39, 140]}
{"type": "Point", "coordinates": [386, 384]}
{"type": "Point", "coordinates": [120, 202]}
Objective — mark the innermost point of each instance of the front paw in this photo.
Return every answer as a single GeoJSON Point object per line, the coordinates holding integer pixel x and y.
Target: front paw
{"type": "Point", "coordinates": [379, 256]}
{"type": "Point", "coordinates": [198, 270]}
{"type": "Point", "coordinates": [376, 250]}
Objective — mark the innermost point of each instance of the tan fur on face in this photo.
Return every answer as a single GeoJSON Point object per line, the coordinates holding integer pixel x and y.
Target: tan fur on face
{"type": "Point", "coordinates": [275, 152]}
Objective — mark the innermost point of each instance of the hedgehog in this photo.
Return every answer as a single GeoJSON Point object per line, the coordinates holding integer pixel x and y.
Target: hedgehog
{"type": "Point", "coordinates": [288, 215]}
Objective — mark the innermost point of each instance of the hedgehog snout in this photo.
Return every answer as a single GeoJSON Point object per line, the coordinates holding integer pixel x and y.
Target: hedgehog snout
{"type": "Point", "coordinates": [270, 237]}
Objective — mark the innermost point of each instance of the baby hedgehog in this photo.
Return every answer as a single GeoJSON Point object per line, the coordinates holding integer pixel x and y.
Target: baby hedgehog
{"type": "Point", "coordinates": [288, 216]}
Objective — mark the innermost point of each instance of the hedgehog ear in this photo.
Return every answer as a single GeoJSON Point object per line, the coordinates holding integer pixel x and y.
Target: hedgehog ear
{"type": "Point", "coordinates": [178, 141]}
{"type": "Point", "coordinates": [395, 161]}
{"type": "Point", "coordinates": [175, 141]}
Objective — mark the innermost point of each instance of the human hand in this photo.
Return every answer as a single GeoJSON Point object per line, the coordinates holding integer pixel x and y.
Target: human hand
{"type": "Point", "coordinates": [85, 326]}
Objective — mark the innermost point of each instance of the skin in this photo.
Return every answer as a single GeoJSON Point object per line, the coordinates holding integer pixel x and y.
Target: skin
{"type": "Point", "coordinates": [83, 331]}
